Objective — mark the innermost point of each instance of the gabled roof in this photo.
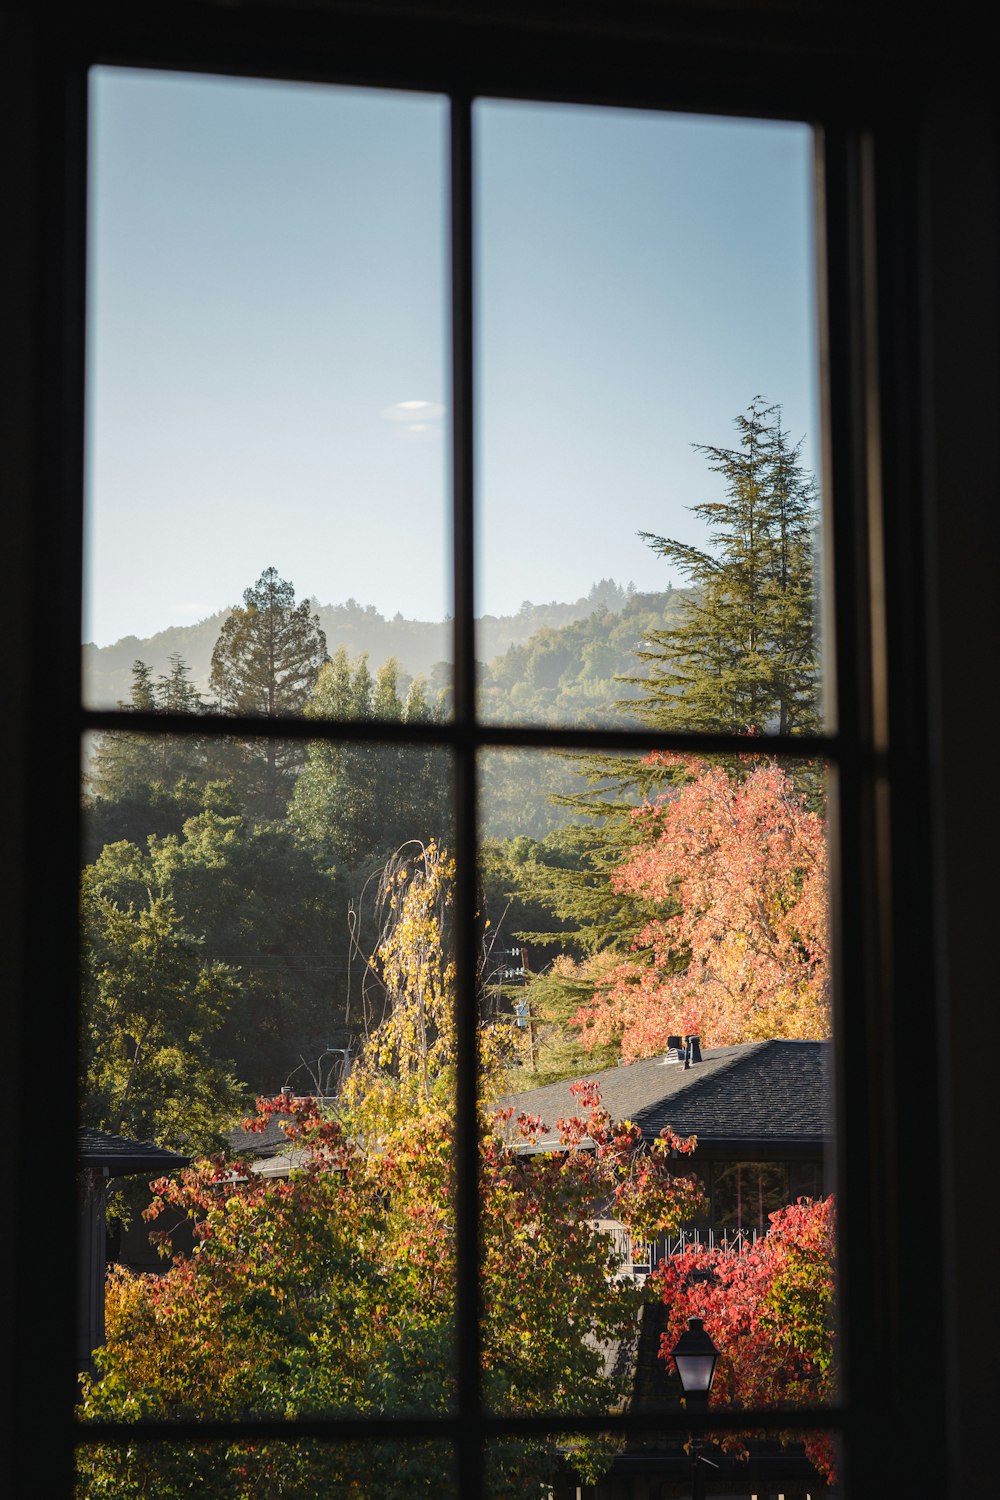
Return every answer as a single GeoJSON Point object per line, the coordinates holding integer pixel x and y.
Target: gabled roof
{"type": "Point", "coordinates": [759, 1096]}
{"type": "Point", "coordinates": [119, 1156]}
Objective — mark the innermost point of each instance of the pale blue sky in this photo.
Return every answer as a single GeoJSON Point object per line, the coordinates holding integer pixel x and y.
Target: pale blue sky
{"type": "Point", "coordinates": [268, 297]}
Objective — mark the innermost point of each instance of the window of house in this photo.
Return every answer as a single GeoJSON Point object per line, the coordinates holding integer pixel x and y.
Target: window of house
{"type": "Point", "coordinates": [438, 349]}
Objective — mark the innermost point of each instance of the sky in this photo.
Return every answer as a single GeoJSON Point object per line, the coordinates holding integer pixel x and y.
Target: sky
{"type": "Point", "coordinates": [268, 341]}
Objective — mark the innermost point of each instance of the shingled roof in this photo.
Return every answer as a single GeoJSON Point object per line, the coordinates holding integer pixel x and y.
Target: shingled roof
{"type": "Point", "coordinates": [119, 1156]}
{"type": "Point", "coordinates": [763, 1098]}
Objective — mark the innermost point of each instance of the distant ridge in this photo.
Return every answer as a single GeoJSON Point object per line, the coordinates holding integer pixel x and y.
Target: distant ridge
{"type": "Point", "coordinates": [417, 645]}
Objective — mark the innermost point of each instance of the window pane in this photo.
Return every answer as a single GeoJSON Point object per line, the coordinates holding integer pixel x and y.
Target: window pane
{"type": "Point", "coordinates": [648, 421]}
{"type": "Point", "coordinates": [171, 1471]}
{"type": "Point", "coordinates": [278, 990]}
{"type": "Point", "coordinates": [266, 407]}
{"type": "Point", "coordinates": [657, 1070]}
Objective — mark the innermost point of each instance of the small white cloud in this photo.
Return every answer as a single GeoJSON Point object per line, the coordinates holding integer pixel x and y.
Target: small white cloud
{"type": "Point", "coordinates": [414, 416]}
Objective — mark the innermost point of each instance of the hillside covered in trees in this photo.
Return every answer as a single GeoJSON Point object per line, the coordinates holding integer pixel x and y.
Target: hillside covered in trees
{"type": "Point", "coordinates": [548, 657]}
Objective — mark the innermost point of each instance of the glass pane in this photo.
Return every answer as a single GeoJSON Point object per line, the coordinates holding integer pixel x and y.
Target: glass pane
{"type": "Point", "coordinates": [268, 1036]}
{"type": "Point", "coordinates": [648, 446]}
{"type": "Point", "coordinates": [266, 419]}
{"type": "Point", "coordinates": [288, 1471]}
{"type": "Point", "coordinates": [658, 1075]}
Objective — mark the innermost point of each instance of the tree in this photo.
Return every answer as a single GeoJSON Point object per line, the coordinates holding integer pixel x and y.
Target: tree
{"type": "Point", "coordinates": [255, 900]}
{"type": "Point", "coordinates": [266, 662]}
{"type": "Point", "coordinates": [332, 1292]}
{"type": "Point", "coordinates": [739, 949]}
{"type": "Point", "coordinates": [744, 655]}
{"type": "Point", "coordinates": [358, 802]}
{"type": "Point", "coordinates": [770, 1311]}
{"type": "Point", "coordinates": [140, 784]}
{"type": "Point", "coordinates": [152, 1007]}
{"type": "Point", "coordinates": [413, 1040]}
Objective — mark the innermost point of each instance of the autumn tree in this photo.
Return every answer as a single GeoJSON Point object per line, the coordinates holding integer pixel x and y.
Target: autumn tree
{"type": "Point", "coordinates": [332, 1292]}
{"type": "Point", "coordinates": [737, 652]}
{"type": "Point", "coordinates": [770, 1311]}
{"type": "Point", "coordinates": [739, 949]}
{"type": "Point", "coordinates": [409, 986]}
{"type": "Point", "coordinates": [265, 663]}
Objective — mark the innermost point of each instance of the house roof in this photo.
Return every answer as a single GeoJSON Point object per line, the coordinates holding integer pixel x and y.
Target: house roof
{"type": "Point", "coordinates": [271, 1141]}
{"type": "Point", "coordinates": [119, 1156]}
{"type": "Point", "coordinates": [758, 1097]}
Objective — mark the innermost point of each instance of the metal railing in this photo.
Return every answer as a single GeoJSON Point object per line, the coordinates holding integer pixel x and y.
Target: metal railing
{"type": "Point", "coordinates": [638, 1257]}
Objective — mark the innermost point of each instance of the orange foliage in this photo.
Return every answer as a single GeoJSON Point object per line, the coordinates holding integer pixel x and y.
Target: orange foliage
{"type": "Point", "coordinates": [740, 952]}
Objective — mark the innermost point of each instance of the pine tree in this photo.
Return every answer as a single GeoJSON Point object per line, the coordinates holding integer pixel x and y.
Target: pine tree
{"type": "Point", "coordinates": [140, 784]}
{"type": "Point", "coordinates": [266, 662]}
{"type": "Point", "coordinates": [269, 651]}
{"type": "Point", "coordinates": [744, 655]}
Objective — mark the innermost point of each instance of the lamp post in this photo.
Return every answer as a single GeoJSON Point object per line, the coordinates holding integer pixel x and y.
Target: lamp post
{"type": "Point", "coordinates": [696, 1357]}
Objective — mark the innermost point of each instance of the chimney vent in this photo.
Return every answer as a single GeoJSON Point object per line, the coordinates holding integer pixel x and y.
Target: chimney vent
{"type": "Point", "coordinates": [692, 1051]}
{"type": "Point", "coordinates": [675, 1049]}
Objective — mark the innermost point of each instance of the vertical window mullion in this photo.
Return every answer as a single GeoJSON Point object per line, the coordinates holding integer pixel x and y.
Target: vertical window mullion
{"type": "Point", "coordinates": [470, 1455]}
{"type": "Point", "coordinates": [864, 1095]}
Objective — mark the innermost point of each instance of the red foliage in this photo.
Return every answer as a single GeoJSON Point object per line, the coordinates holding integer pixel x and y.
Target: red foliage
{"type": "Point", "coordinates": [770, 1311]}
{"type": "Point", "coordinates": [740, 951]}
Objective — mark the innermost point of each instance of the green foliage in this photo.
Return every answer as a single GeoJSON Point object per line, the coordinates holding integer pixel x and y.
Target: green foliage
{"type": "Point", "coordinates": [138, 784]}
{"type": "Point", "coordinates": [573, 672]}
{"type": "Point", "coordinates": [744, 655]}
{"type": "Point", "coordinates": [266, 662]}
{"type": "Point", "coordinates": [256, 901]}
{"type": "Point", "coordinates": [526, 793]}
{"type": "Point", "coordinates": [549, 1047]}
{"type": "Point", "coordinates": [153, 1009]}
{"type": "Point", "coordinates": [359, 802]}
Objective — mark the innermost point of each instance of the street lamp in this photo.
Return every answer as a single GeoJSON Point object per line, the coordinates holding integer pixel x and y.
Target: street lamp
{"type": "Point", "coordinates": [696, 1357]}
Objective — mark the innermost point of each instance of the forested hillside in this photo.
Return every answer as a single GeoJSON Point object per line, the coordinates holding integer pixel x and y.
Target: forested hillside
{"type": "Point", "coordinates": [547, 656]}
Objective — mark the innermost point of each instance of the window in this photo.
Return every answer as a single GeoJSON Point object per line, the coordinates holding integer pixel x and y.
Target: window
{"type": "Point", "coordinates": [879, 1270]}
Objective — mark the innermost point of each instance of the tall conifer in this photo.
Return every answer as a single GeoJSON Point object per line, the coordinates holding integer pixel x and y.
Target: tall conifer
{"type": "Point", "coordinates": [266, 661]}
{"type": "Point", "coordinates": [744, 655]}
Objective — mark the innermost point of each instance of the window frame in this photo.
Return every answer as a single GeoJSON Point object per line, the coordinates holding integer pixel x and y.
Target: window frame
{"type": "Point", "coordinates": [436, 50]}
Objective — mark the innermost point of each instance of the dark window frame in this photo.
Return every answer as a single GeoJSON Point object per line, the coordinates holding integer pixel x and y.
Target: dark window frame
{"type": "Point", "coordinates": [642, 63]}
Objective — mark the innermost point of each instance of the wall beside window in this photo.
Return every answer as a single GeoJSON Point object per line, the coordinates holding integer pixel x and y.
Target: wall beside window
{"type": "Point", "coordinates": [932, 104]}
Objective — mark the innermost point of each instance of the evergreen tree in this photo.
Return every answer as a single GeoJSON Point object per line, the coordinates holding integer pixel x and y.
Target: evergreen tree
{"type": "Point", "coordinates": [359, 802]}
{"type": "Point", "coordinates": [266, 662]}
{"type": "Point", "coordinates": [738, 652]}
{"type": "Point", "coordinates": [142, 784]}
{"type": "Point", "coordinates": [744, 655]}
